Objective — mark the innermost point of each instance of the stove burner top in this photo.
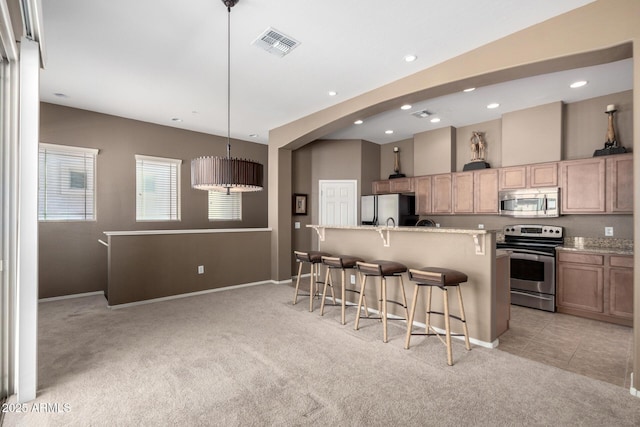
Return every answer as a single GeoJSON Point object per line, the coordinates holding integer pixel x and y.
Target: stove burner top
{"type": "Point", "coordinates": [538, 238]}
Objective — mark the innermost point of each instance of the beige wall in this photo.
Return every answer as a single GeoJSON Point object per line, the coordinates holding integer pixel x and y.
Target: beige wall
{"type": "Point", "coordinates": [585, 124]}
{"type": "Point", "coordinates": [406, 156]}
{"type": "Point", "coordinates": [533, 135]}
{"type": "Point", "coordinates": [434, 151]}
{"type": "Point", "coordinates": [82, 265]}
{"type": "Point", "coordinates": [492, 136]}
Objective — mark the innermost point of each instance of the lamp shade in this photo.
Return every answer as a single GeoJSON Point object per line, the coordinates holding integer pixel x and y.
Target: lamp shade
{"type": "Point", "coordinates": [226, 174]}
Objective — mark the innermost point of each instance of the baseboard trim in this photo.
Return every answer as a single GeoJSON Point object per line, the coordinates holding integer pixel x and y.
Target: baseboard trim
{"type": "Point", "coordinates": [634, 391]}
{"type": "Point", "coordinates": [189, 294]}
{"type": "Point", "coordinates": [63, 297]}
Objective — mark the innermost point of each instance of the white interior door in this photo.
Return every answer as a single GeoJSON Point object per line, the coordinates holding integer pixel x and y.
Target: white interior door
{"type": "Point", "coordinates": [338, 202]}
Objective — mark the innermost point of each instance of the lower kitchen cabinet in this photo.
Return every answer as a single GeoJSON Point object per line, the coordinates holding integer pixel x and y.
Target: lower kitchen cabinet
{"type": "Point", "coordinates": [597, 286]}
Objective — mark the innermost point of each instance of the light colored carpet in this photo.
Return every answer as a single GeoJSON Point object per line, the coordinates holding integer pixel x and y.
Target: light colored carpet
{"type": "Point", "coordinates": [249, 357]}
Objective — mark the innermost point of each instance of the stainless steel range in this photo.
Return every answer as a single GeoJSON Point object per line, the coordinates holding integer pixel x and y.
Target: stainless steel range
{"type": "Point", "coordinates": [533, 264]}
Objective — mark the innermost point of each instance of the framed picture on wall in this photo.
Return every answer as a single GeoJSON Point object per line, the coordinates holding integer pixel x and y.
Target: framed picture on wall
{"type": "Point", "coordinates": [299, 204]}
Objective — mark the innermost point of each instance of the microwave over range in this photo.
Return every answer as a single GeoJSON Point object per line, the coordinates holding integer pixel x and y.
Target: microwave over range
{"type": "Point", "coordinates": [530, 203]}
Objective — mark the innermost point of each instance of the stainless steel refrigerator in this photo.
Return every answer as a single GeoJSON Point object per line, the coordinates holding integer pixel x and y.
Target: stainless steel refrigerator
{"type": "Point", "coordinates": [378, 209]}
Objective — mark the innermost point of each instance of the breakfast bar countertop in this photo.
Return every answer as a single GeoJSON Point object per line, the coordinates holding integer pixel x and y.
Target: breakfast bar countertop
{"type": "Point", "coordinates": [449, 230]}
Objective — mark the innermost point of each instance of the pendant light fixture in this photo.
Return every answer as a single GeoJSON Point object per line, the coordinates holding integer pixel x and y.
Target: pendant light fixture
{"type": "Point", "coordinates": [226, 174]}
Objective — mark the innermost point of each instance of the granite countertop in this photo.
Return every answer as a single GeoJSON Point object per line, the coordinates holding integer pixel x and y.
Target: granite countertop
{"type": "Point", "coordinates": [598, 245]}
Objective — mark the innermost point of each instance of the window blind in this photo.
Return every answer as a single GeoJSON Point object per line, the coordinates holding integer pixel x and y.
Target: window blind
{"type": "Point", "coordinates": [66, 183]}
{"type": "Point", "coordinates": [157, 189]}
{"type": "Point", "coordinates": [224, 206]}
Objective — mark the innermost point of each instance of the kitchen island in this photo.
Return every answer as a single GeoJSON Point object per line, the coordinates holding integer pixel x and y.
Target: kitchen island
{"type": "Point", "coordinates": [471, 251]}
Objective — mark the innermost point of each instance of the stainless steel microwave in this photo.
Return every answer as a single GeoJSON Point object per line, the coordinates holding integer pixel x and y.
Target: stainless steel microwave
{"type": "Point", "coordinates": [530, 203]}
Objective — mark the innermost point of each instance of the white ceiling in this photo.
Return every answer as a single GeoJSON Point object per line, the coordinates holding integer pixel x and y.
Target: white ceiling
{"type": "Point", "coordinates": [154, 60]}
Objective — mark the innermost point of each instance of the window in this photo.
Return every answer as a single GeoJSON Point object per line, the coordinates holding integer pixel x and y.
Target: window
{"type": "Point", "coordinates": [223, 206]}
{"type": "Point", "coordinates": [66, 183]}
{"type": "Point", "coordinates": [157, 189]}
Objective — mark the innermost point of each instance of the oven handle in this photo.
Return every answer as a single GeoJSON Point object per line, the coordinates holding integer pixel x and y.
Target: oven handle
{"type": "Point", "coordinates": [528, 252]}
{"type": "Point", "coordinates": [531, 295]}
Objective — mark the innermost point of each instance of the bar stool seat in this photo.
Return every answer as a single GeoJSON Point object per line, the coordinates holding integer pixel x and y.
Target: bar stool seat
{"type": "Point", "coordinates": [382, 269]}
{"type": "Point", "coordinates": [314, 258]}
{"type": "Point", "coordinates": [442, 278]}
{"type": "Point", "coordinates": [342, 263]}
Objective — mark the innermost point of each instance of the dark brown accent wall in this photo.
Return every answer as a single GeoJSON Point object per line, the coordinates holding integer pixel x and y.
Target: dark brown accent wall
{"type": "Point", "coordinates": [143, 267]}
{"type": "Point", "coordinates": [71, 260]}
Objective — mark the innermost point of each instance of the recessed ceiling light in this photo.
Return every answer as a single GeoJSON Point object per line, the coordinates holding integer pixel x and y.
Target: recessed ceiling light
{"type": "Point", "coordinates": [493, 105]}
{"type": "Point", "coordinates": [60, 95]}
{"type": "Point", "coordinates": [469, 89]}
{"type": "Point", "coordinates": [176, 119]}
{"type": "Point", "coordinates": [333, 93]}
{"type": "Point", "coordinates": [388, 132]}
{"type": "Point", "coordinates": [253, 135]}
{"type": "Point", "coordinates": [435, 120]}
{"type": "Point", "coordinates": [405, 107]}
{"type": "Point", "coordinates": [358, 122]}
{"type": "Point", "coordinates": [577, 84]}
{"type": "Point", "coordinates": [410, 58]}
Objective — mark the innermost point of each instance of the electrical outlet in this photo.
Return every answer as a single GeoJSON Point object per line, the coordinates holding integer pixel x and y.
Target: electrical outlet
{"type": "Point", "coordinates": [608, 231]}
{"type": "Point", "coordinates": [201, 269]}
{"type": "Point", "coordinates": [481, 226]}
{"type": "Point", "coordinates": [353, 279]}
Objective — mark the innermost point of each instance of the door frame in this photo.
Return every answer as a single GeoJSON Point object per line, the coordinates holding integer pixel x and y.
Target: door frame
{"type": "Point", "coordinates": [321, 200]}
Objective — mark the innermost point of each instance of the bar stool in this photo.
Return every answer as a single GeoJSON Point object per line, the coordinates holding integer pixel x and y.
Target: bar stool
{"type": "Point", "coordinates": [314, 258]}
{"type": "Point", "coordinates": [442, 278]}
{"type": "Point", "coordinates": [382, 269]}
{"type": "Point", "coordinates": [342, 263]}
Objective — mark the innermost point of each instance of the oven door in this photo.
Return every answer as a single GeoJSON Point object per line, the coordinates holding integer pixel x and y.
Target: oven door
{"type": "Point", "coordinates": [533, 272]}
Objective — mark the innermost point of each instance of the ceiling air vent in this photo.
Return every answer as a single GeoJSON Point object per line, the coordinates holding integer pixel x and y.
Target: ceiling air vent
{"type": "Point", "coordinates": [421, 114]}
{"type": "Point", "coordinates": [275, 42]}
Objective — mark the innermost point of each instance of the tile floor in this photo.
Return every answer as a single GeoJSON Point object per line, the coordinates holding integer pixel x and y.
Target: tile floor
{"type": "Point", "coordinates": [591, 348]}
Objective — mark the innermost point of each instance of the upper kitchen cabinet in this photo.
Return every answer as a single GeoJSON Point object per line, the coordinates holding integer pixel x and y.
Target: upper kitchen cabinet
{"type": "Point", "coordinates": [543, 175]}
{"type": "Point", "coordinates": [381, 187]}
{"type": "Point", "coordinates": [597, 185]}
{"type": "Point", "coordinates": [441, 193]}
{"type": "Point", "coordinates": [485, 191]}
{"type": "Point", "coordinates": [422, 187]}
{"type": "Point", "coordinates": [397, 185]}
{"type": "Point", "coordinates": [529, 176]}
{"type": "Point", "coordinates": [463, 192]}
{"type": "Point", "coordinates": [582, 185]}
{"type": "Point", "coordinates": [620, 183]}
{"type": "Point", "coordinates": [401, 185]}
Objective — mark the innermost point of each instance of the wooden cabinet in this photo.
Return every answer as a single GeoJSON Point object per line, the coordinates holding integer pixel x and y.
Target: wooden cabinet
{"type": "Point", "coordinates": [620, 183]}
{"type": "Point", "coordinates": [398, 185]}
{"type": "Point", "coordinates": [529, 176]}
{"type": "Point", "coordinates": [381, 187]}
{"type": "Point", "coordinates": [581, 282]}
{"type": "Point", "coordinates": [401, 185]}
{"type": "Point", "coordinates": [462, 185]}
{"type": "Point", "coordinates": [422, 188]}
{"type": "Point", "coordinates": [583, 186]}
{"type": "Point", "coordinates": [597, 286]}
{"type": "Point", "coordinates": [621, 286]}
{"type": "Point", "coordinates": [441, 193]}
{"type": "Point", "coordinates": [513, 178]}
{"type": "Point", "coordinates": [543, 175]}
{"type": "Point", "coordinates": [485, 191]}
{"type": "Point", "coordinates": [597, 185]}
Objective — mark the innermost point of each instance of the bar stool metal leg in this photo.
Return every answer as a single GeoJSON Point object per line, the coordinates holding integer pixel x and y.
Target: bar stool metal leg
{"type": "Point", "coordinates": [295, 294]}
{"type": "Point", "coordinates": [464, 320]}
{"type": "Point", "coordinates": [412, 314]}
